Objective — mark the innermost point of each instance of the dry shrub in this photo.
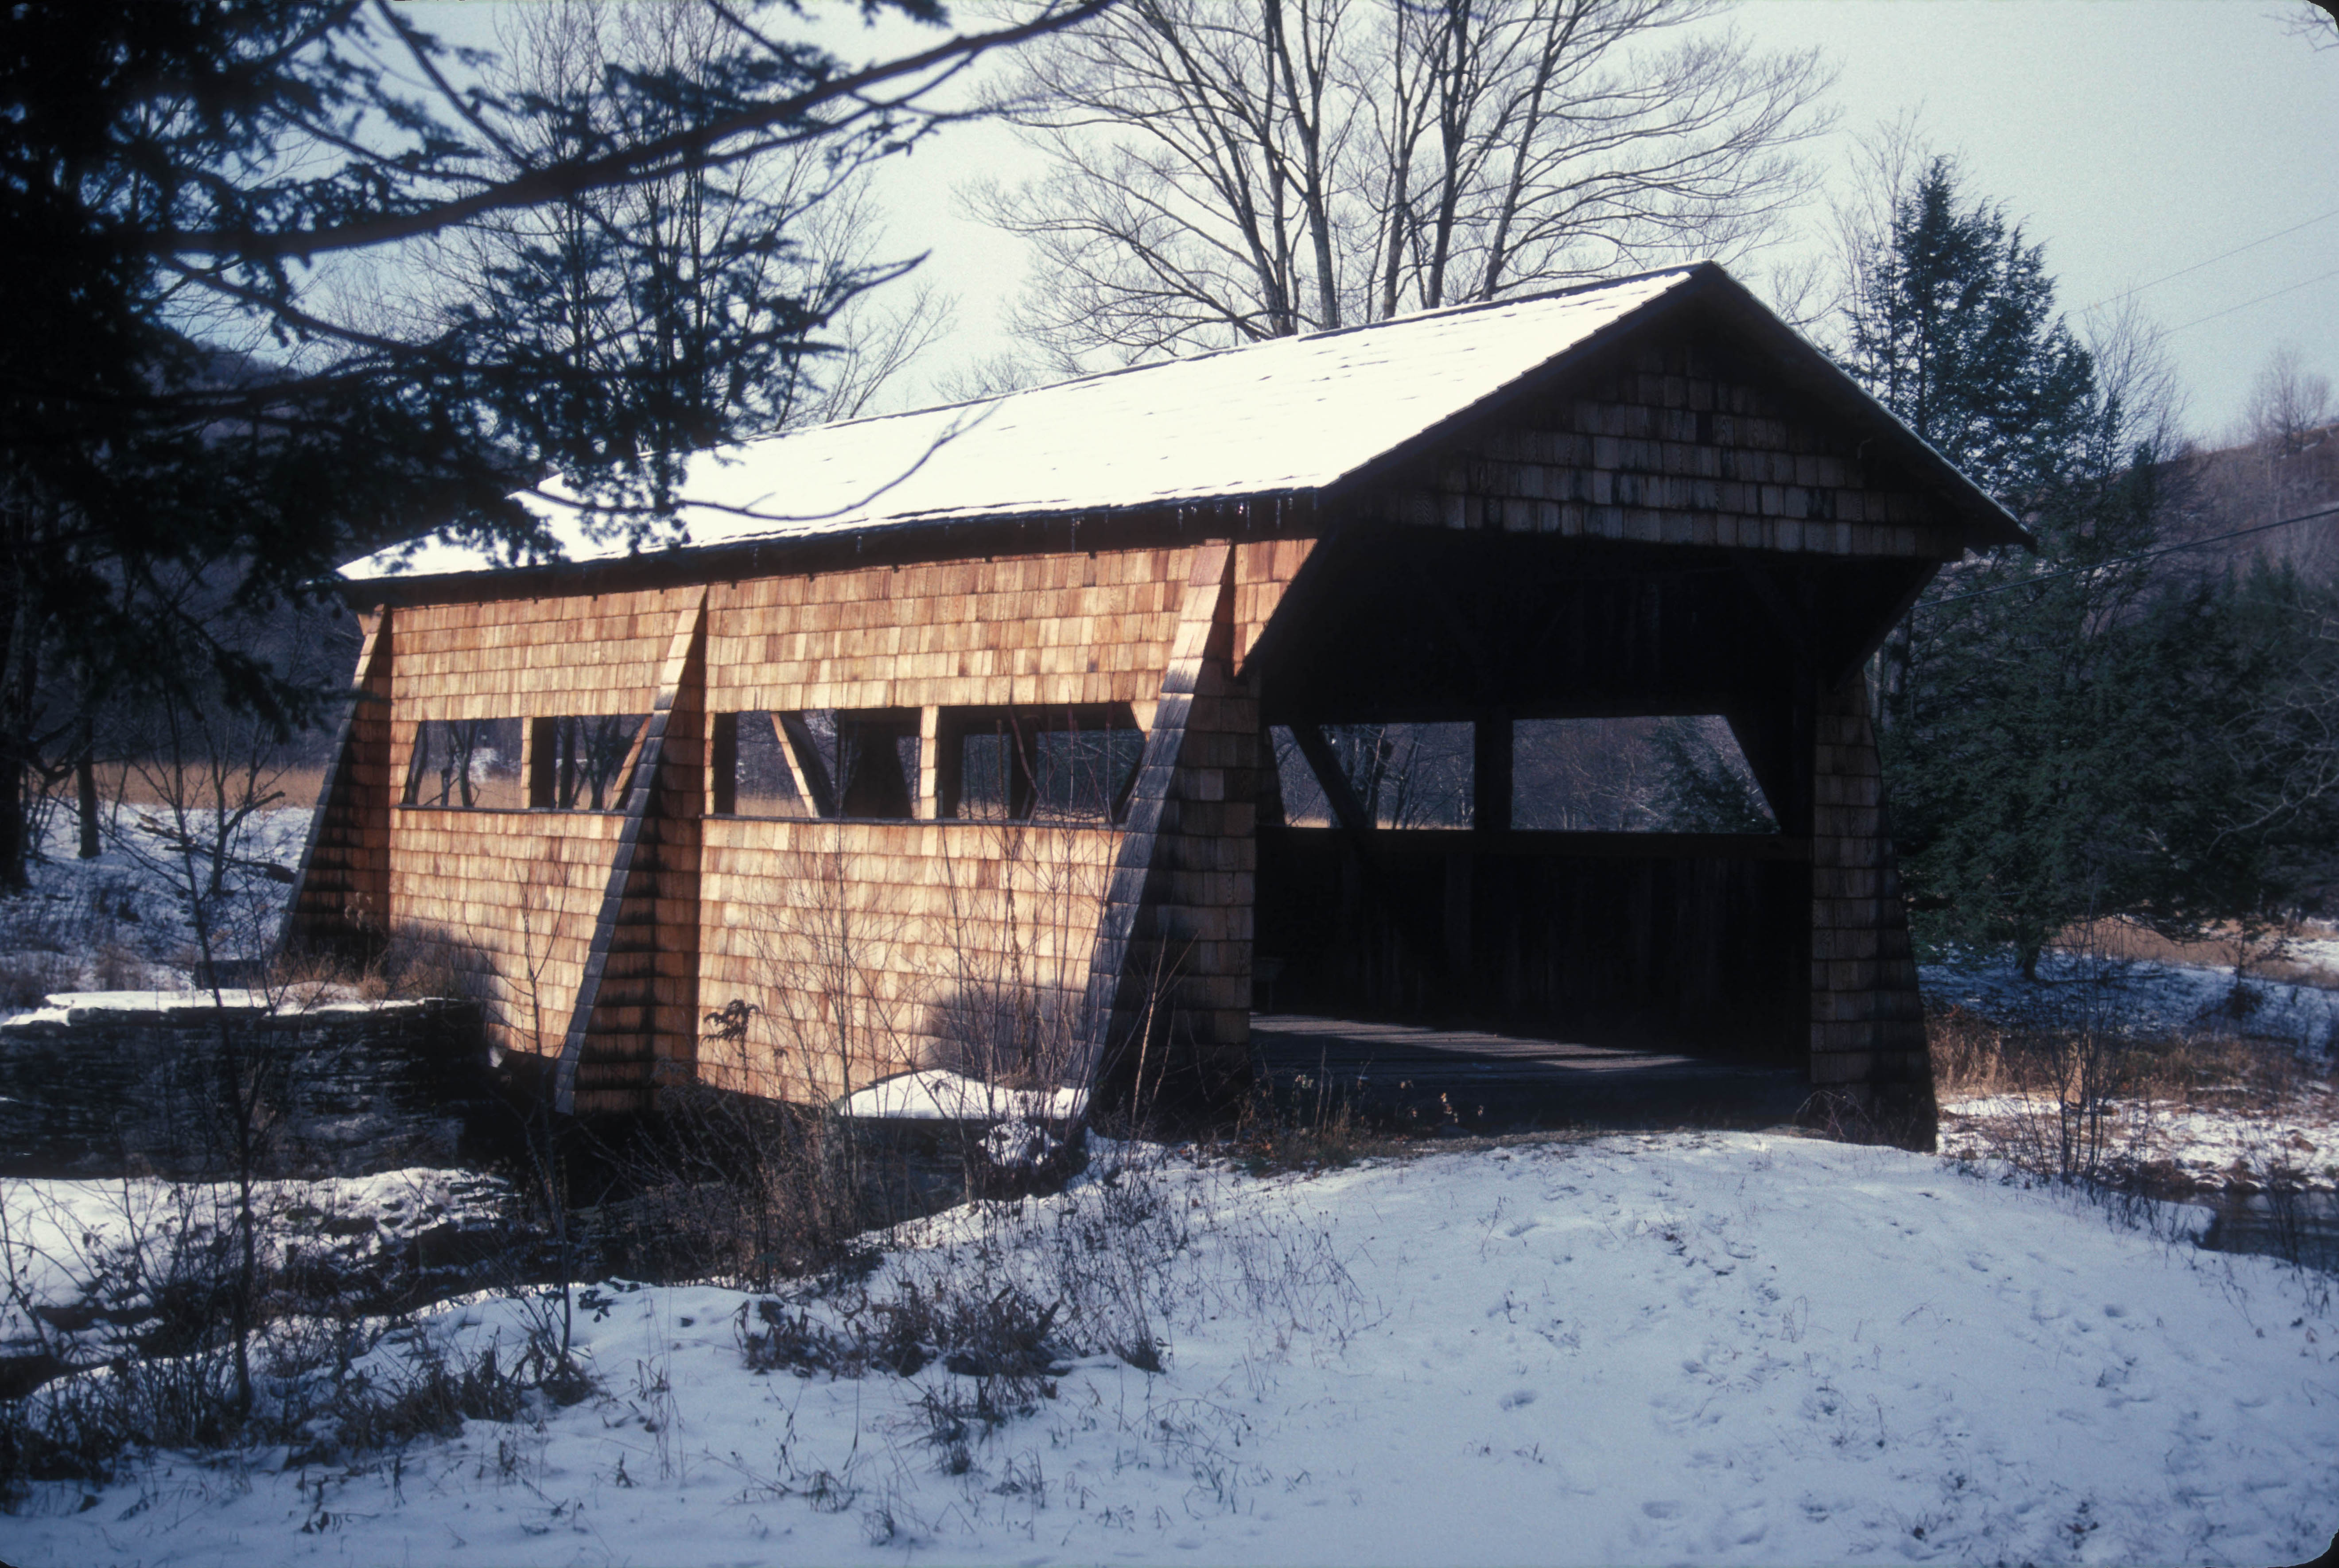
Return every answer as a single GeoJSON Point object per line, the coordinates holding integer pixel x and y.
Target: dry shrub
{"type": "Point", "coordinates": [119, 969]}
{"type": "Point", "coordinates": [1320, 1134]}
{"type": "Point", "coordinates": [1974, 1056]}
{"type": "Point", "coordinates": [2090, 1104]}
{"type": "Point", "coordinates": [411, 967]}
{"type": "Point", "coordinates": [729, 1187]}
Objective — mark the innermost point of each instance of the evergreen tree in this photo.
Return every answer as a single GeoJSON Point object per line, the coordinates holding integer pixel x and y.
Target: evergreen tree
{"type": "Point", "coordinates": [2011, 698]}
{"type": "Point", "coordinates": [217, 362]}
{"type": "Point", "coordinates": [1703, 788]}
{"type": "Point", "coordinates": [2238, 677]}
{"type": "Point", "coordinates": [1952, 326]}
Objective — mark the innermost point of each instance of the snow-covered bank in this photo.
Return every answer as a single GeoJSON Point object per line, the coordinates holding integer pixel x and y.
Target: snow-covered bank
{"type": "Point", "coordinates": [1724, 1348]}
{"type": "Point", "coordinates": [88, 1257]}
{"type": "Point", "coordinates": [120, 922]}
{"type": "Point", "coordinates": [2145, 996]}
{"type": "Point", "coordinates": [2185, 1149]}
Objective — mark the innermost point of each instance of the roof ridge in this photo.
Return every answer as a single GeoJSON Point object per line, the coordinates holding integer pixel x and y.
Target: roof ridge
{"type": "Point", "coordinates": [1440, 312]}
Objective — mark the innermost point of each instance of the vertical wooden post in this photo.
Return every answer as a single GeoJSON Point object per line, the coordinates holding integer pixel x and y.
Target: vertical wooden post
{"type": "Point", "coordinates": [930, 755]}
{"type": "Point", "coordinates": [1490, 773]}
{"type": "Point", "coordinates": [1871, 1074]}
{"type": "Point", "coordinates": [539, 750]}
{"type": "Point", "coordinates": [1271, 780]}
{"type": "Point", "coordinates": [722, 763]}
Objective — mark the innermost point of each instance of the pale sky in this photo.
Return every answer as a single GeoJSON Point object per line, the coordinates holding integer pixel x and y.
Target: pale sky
{"type": "Point", "coordinates": [2135, 138]}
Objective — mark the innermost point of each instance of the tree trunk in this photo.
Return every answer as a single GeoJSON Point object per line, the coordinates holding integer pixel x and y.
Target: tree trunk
{"type": "Point", "coordinates": [13, 803]}
{"type": "Point", "coordinates": [16, 687]}
{"type": "Point", "coordinates": [85, 790]}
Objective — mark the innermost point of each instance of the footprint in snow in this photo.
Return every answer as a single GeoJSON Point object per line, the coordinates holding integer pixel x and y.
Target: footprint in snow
{"type": "Point", "coordinates": [1518, 1396]}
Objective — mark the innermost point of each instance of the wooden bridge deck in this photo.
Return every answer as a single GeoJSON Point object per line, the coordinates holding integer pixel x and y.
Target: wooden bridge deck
{"type": "Point", "coordinates": [1411, 1076]}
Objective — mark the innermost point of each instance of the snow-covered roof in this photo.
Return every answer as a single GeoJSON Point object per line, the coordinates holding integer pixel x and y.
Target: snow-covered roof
{"type": "Point", "coordinates": [1293, 414]}
{"type": "Point", "coordinates": [1285, 417]}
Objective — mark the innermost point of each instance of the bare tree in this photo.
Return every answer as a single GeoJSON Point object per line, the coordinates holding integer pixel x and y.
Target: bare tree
{"type": "Point", "coordinates": [2289, 404]}
{"type": "Point", "coordinates": [1226, 171]}
{"type": "Point", "coordinates": [2281, 460]}
{"type": "Point", "coordinates": [204, 365]}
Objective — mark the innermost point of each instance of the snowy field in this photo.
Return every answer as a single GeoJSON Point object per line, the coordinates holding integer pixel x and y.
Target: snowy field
{"type": "Point", "coordinates": [2146, 997]}
{"type": "Point", "coordinates": [1729, 1348]}
{"type": "Point", "coordinates": [1713, 1348]}
{"type": "Point", "coordinates": [120, 922]}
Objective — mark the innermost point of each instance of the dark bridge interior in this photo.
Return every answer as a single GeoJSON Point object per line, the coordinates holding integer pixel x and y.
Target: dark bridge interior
{"type": "Point", "coordinates": [1482, 943]}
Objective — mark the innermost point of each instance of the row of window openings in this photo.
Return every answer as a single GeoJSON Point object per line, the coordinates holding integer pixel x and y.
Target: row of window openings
{"type": "Point", "coordinates": [1684, 775]}
{"type": "Point", "coordinates": [1640, 775]}
{"type": "Point", "coordinates": [1068, 765]}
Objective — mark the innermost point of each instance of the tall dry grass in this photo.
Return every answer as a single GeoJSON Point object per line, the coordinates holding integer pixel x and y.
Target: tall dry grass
{"type": "Point", "coordinates": [2087, 1104]}
{"type": "Point", "coordinates": [2260, 957]}
{"type": "Point", "coordinates": [151, 783]}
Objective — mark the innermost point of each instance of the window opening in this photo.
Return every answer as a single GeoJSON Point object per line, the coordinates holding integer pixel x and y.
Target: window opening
{"type": "Point", "coordinates": [1681, 775]}
{"type": "Point", "coordinates": [1069, 765]}
{"type": "Point", "coordinates": [1402, 774]}
{"type": "Point", "coordinates": [582, 762]}
{"type": "Point", "coordinates": [465, 763]}
{"type": "Point", "coordinates": [753, 775]}
{"type": "Point", "coordinates": [853, 763]}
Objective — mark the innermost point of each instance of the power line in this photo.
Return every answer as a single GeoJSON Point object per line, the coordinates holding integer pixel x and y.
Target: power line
{"type": "Point", "coordinates": [2213, 260]}
{"type": "Point", "coordinates": [2261, 300]}
{"type": "Point", "coordinates": [2123, 561]}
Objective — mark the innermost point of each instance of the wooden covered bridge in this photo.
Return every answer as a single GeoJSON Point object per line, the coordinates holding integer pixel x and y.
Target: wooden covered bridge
{"type": "Point", "coordinates": [952, 738]}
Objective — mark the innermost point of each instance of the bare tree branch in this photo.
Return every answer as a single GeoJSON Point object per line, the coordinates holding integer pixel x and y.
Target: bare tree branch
{"type": "Point", "coordinates": [1230, 170]}
{"type": "Point", "coordinates": [729, 136]}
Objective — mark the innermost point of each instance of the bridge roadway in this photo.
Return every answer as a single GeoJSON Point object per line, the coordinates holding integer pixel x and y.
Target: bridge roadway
{"type": "Point", "coordinates": [1420, 1077]}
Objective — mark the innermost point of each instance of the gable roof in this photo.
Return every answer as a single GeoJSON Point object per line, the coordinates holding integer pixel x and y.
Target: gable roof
{"type": "Point", "coordinates": [1288, 417]}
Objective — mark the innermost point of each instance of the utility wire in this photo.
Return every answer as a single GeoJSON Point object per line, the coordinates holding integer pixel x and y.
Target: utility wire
{"type": "Point", "coordinates": [2213, 260]}
{"type": "Point", "coordinates": [2123, 561]}
{"type": "Point", "coordinates": [2261, 300]}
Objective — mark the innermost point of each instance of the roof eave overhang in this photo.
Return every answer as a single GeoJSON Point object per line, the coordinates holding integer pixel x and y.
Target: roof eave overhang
{"type": "Point", "coordinates": [894, 541]}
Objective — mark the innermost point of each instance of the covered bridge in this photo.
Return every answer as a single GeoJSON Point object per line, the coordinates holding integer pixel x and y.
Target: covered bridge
{"type": "Point", "coordinates": [951, 736]}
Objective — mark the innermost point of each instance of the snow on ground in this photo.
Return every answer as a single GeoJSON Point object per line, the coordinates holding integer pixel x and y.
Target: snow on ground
{"type": "Point", "coordinates": [1728, 1348]}
{"type": "Point", "coordinates": [132, 899]}
{"type": "Point", "coordinates": [934, 1094]}
{"type": "Point", "coordinates": [300, 998]}
{"type": "Point", "coordinates": [2220, 1137]}
{"type": "Point", "coordinates": [2141, 996]}
{"type": "Point", "coordinates": [69, 1246]}
{"type": "Point", "coordinates": [2202, 1148]}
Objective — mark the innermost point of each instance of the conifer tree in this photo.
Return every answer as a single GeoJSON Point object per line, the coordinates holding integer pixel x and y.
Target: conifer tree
{"type": "Point", "coordinates": [2009, 702]}
{"type": "Point", "coordinates": [220, 378]}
